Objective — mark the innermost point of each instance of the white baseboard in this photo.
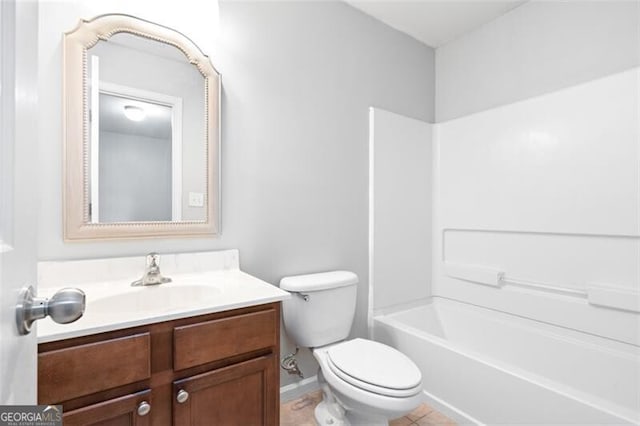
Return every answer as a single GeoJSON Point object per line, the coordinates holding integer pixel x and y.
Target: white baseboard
{"type": "Point", "coordinates": [296, 390]}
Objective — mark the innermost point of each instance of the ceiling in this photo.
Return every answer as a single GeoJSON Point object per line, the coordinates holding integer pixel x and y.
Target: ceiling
{"type": "Point", "coordinates": [435, 22]}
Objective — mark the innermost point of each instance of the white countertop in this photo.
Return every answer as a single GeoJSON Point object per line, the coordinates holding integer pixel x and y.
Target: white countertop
{"type": "Point", "coordinates": [115, 304]}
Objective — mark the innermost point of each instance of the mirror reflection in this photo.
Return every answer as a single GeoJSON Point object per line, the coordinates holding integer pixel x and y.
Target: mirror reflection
{"type": "Point", "coordinates": [132, 159]}
{"type": "Point", "coordinates": [146, 104]}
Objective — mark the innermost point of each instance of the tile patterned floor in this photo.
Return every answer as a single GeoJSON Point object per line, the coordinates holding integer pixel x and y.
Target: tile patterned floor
{"type": "Point", "coordinates": [299, 412]}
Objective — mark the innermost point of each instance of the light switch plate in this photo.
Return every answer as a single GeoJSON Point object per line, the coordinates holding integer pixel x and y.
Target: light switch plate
{"type": "Point", "coordinates": [196, 199]}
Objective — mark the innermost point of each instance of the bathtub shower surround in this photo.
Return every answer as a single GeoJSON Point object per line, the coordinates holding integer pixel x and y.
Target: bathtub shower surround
{"type": "Point", "coordinates": [400, 156]}
{"type": "Point", "coordinates": [547, 191]}
{"type": "Point", "coordinates": [535, 308]}
{"type": "Point", "coordinates": [488, 367]}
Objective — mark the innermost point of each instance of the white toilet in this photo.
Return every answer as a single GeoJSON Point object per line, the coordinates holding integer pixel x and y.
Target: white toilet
{"type": "Point", "coordinates": [363, 382]}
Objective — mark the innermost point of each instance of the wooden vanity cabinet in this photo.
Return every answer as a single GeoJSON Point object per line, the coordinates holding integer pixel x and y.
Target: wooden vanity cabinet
{"type": "Point", "coordinates": [214, 369]}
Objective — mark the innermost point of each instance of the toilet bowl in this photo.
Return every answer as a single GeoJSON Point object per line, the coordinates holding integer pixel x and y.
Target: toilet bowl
{"type": "Point", "coordinates": [371, 383]}
{"type": "Point", "coordinates": [363, 382]}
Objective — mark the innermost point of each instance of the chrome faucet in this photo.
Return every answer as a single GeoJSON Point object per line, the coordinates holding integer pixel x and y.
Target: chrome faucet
{"type": "Point", "coordinates": [152, 275]}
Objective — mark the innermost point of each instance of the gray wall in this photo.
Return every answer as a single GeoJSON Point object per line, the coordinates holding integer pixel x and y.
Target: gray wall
{"type": "Point", "coordinates": [298, 79]}
{"type": "Point", "coordinates": [536, 48]}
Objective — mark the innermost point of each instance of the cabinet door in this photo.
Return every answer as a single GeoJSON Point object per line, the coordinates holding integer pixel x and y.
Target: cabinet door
{"type": "Point", "coordinates": [128, 410]}
{"type": "Point", "coordinates": [242, 394]}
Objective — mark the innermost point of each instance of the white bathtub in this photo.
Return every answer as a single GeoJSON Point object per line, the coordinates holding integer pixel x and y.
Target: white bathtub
{"type": "Point", "coordinates": [487, 367]}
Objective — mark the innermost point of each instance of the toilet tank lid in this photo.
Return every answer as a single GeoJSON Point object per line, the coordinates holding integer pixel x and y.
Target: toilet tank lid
{"type": "Point", "coordinates": [319, 281]}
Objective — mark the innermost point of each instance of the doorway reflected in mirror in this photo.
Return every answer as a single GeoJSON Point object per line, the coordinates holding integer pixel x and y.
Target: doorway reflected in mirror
{"type": "Point", "coordinates": [132, 167]}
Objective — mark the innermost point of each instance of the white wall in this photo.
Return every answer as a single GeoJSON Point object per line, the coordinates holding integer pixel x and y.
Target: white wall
{"type": "Point", "coordinates": [539, 47]}
{"type": "Point", "coordinates": [297, 79]}
{"type": "Point", "coordinates": [547, 190]}
{"type": "Point", "coordinates": [400, 203]}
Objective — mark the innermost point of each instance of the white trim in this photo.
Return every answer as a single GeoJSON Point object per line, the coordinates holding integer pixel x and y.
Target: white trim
{"type": "Point", "coordinates": [94, 149]}
{"type": "Point", "coordinates": [218, 217]}
{"type": "Point", "coordinates": [7, 120]}
{"type": "Point", "coordinates": [297, 389]}
{"type": "Point", "coordinates": [437, 249]}
{"type": "Point", "coordinates": [176, 135]}
{"type": "Point", "coordinates": [3, 129]}
{"type": "Point", "coordinates": [176, 160]}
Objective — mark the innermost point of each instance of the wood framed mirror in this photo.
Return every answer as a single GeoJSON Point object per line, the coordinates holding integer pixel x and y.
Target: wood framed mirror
{"type": "Point", "coordinates": [141, 132]}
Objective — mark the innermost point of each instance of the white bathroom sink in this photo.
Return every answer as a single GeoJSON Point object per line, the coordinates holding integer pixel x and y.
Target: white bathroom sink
{"type": "Point", "coordinates": [154, 298]}
{"type": "Point", "coordinates": [115, 304]}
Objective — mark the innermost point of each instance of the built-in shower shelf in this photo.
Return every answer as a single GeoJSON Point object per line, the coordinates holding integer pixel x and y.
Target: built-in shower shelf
{"type": "Point", "coordinates": [602, 295]}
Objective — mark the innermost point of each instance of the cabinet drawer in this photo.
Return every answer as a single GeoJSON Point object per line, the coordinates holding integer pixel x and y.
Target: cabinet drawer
{"type": "Point", "coordinates": [68, 373]}
{"type": "Point", "coordinates": [210, 341]}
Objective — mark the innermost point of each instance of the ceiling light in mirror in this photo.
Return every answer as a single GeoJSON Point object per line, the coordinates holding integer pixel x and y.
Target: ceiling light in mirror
{"type": "Point", "coordinates": [134, 113]}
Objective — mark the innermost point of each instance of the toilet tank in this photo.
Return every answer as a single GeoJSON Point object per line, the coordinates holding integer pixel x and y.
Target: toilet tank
{"type": "Point", "coordinates": [322, 308]}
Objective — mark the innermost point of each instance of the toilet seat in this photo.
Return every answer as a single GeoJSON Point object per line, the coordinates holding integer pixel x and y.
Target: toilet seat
{"type": "Point", "coordinates": [375, 367]}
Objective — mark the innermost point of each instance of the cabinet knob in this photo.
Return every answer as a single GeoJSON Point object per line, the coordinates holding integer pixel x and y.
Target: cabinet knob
{"type": "Point", "coordinates": [182, 396]}
{"type": "Point", "coordinates": [144, 408]}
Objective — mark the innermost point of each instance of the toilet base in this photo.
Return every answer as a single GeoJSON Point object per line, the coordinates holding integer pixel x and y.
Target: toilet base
{"type": "Point", "coordinates": [330, 412]}
{"type": "Point", "coordinates": [325, 417]}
